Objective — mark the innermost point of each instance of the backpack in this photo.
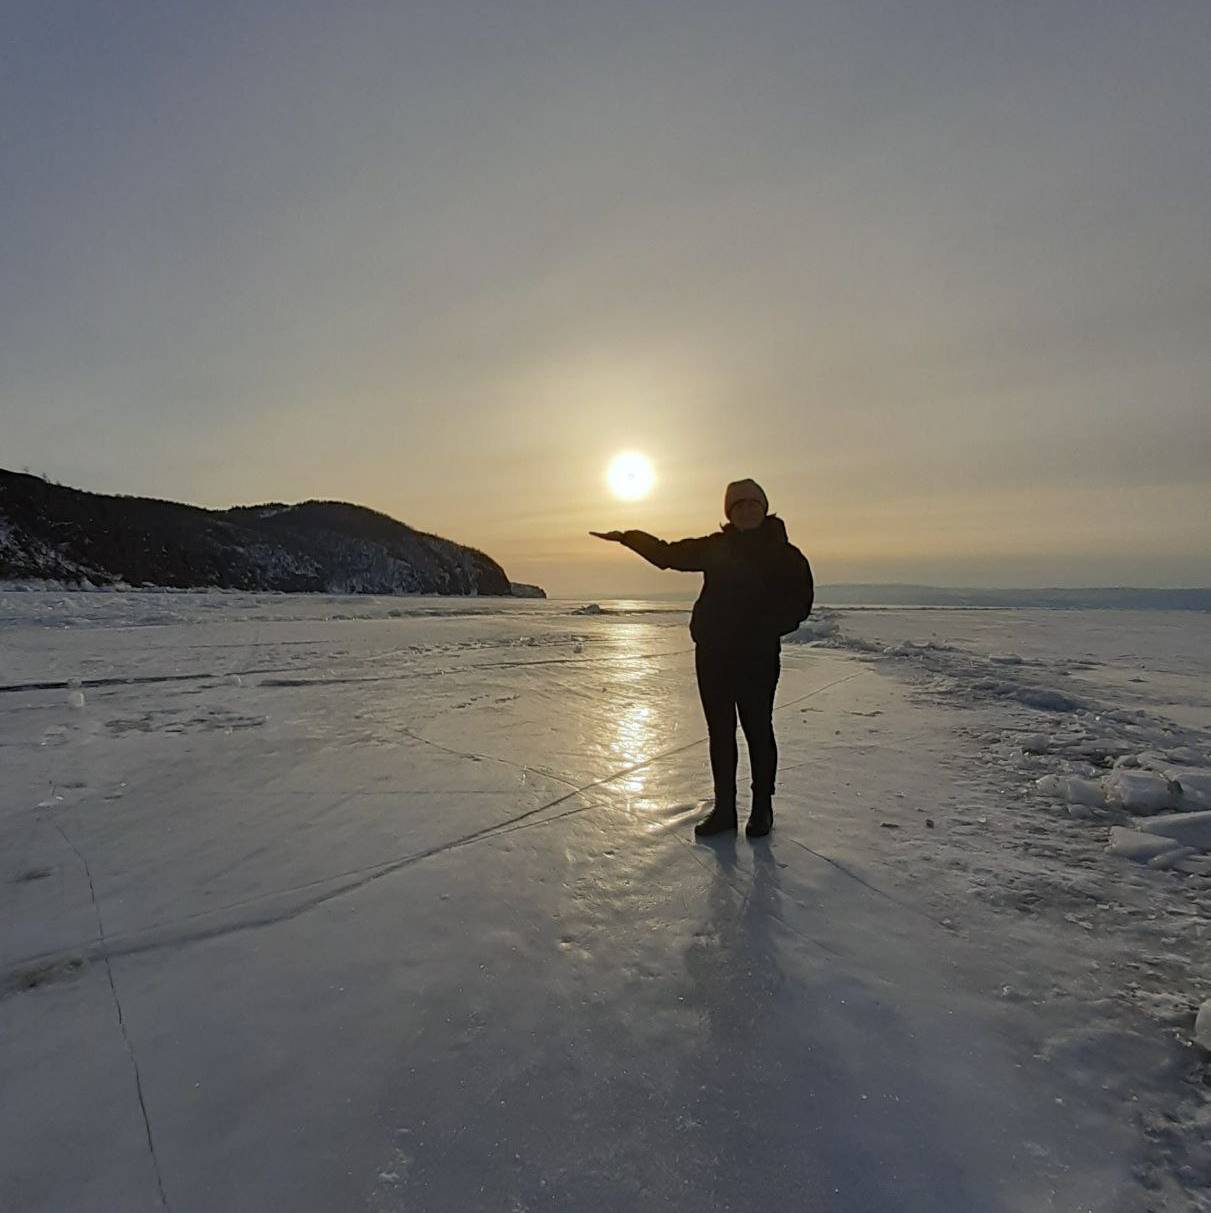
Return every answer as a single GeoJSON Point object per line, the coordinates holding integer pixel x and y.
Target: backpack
{"type": "Point", "coordinates": [796, 593]}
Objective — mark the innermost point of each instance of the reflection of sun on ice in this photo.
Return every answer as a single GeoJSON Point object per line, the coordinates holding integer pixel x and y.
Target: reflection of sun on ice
{"type": "Point", "coordinates": [630, 476]}
{"type": "Point", "coordinates": [633, 741]}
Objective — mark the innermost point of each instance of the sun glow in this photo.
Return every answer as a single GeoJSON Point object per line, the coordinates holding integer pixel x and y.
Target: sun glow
{"type": "Point", "coordinates": [630, 476]}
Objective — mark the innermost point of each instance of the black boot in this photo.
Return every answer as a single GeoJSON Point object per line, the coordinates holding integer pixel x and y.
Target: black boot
{"type": "Point", "coordinates": [722, 819]}
{"type": "Point", "coordinates": [761, 819]}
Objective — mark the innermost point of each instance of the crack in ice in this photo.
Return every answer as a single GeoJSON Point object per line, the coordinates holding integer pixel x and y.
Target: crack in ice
{"type": "Point", "coordinates": [113, 989]}
{"type": "Point", "coordinates": [360, 877]}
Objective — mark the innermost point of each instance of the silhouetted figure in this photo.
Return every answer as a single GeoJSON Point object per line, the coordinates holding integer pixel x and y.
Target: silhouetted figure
{"type": "Point", "coordinates": [756, 588]}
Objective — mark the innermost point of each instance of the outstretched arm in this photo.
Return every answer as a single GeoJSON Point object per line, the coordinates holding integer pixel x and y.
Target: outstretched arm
{"type": "Point", "coordinates": [685, 555]}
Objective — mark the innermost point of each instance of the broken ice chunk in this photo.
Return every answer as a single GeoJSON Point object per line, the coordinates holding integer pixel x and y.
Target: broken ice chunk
{"type": "Point", "coordinates": [1189, 829]}
{"type": "Point", "coordinates": [1072, 789]}
{"type": "Point", "coordinates": [1202, 1025]}
{"type": "Point", "coordinates": [1167, 859]}
{"type": "Point", "coordinates": [1137, 845]}
{"type": "Point", "coordinates": [1141, 792]}
{"type": "Point", "coordinates": [1195, 783]}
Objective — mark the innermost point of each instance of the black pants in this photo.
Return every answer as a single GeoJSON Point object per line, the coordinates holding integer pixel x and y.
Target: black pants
{"type": "Point", "coordinates": [731, 683]}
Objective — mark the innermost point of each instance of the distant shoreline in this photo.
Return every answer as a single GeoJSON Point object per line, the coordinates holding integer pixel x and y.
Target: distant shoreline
{"type": "Point", "coordinates": [875, 596]}
{"type": "Point", "coordinates": [1129, 598]}
{"type": "Point", "coordinates": [835, 597]}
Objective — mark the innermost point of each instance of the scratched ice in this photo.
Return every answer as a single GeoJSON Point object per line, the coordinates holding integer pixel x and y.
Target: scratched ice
{"type": "Point", "coordinates": [324, 904]}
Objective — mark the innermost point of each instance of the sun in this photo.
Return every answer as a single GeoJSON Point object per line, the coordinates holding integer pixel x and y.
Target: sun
{"type": "Point", "coordinates": [630, 476]}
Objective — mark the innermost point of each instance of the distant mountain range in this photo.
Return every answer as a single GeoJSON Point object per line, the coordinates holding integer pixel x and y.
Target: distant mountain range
{"type": "Point", "coordinates": [49, 532]}
{"type": "Point", "coordinates": [1126, 598]}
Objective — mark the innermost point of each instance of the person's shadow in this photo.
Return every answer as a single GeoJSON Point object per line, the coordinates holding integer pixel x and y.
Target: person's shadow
{"type": "Point", "coordinates": [737, 960]}
{"type": "Point", "coordinates": [735, 981]}
{"type": "Point", "coordinates": [772, 1063]}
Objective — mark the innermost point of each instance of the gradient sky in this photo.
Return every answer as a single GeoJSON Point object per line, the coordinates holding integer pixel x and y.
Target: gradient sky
{"type": "Point", "coordinates": [937, 274]}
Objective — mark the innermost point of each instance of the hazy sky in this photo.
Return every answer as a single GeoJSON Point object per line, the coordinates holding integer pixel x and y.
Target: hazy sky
{"type": "Point", "coordinates": [938, 274]}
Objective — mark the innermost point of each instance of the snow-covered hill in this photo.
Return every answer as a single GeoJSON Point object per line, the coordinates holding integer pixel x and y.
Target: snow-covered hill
{"type": "Point", "coordinates": [52, 533]}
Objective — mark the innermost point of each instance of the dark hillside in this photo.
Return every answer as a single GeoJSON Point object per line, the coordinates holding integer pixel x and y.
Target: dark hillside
{"type": "Point", "coordinates": [63, 534]}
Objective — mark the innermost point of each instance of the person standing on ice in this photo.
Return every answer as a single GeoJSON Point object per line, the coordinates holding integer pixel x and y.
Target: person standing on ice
{"type": "Point", "coordinates": [756, 588]}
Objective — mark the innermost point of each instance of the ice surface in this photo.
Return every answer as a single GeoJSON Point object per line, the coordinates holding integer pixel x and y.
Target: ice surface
{"type": "Point", "coordinates": [401, 909]}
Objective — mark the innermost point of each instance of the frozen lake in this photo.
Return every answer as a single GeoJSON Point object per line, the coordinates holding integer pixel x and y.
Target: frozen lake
{"type": "Point", "coordinates": [394, 904]}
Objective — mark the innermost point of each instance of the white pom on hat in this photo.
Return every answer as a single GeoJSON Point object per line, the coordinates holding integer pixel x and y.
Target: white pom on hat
{"type": "Point", "coordinates": [743, 490]}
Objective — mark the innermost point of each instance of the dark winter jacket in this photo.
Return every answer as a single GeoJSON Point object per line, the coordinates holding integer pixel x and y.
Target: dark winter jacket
{"type": "Point", "coordinates": [756, 586]}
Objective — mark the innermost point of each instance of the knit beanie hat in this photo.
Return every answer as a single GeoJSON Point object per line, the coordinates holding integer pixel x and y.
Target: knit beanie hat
{"type": "Point", "coordinates": [743, 490]}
